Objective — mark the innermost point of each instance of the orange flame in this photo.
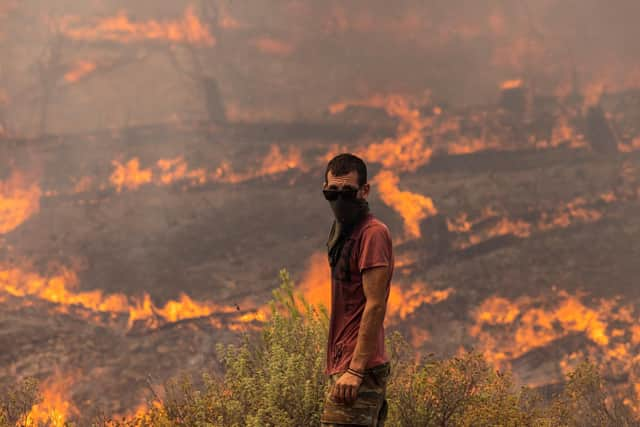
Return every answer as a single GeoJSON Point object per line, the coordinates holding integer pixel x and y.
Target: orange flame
{"type": "Point", "coordinates": [19, 200]}
{"type": "Point", "coordinates": [173, 311]}
{"type": "Point", "coordinates": [56, 406]}
{"type": "Point", "coordinates": [129, 175]}
{"type": "Point", "coordinates": [511, 84]}
{"type": "Point", "coordinates": [275, 162]}
{"type": "Point", "coordinates": [60, 289]}
{"type": "Point", "coordinates": [564, 132]}
{"type": "Point", "coordinates": [572, 212]}
{"type": "Point", "coordinates": [425, 129]}
{"type": "Point", "coordinates": [628, 148]}
{"type": "Point", "coordinates": [408, 150]}
{"type": "Point", "coordinates": [403, 302]}
{"type": "Point", "coordinates": [528, 324]}
{"type": "Point", "coordinates": [316, 282]}
{"type": "Point", "coordinates": [120, 29]}
{"type": "Point", "coordinates": [80, 70]}
{"type": "Point", "coordinates": [504, 227]}
{"type": "Point", "coordinates": [412, 207]}
{"type": "Point", "coordinates": [316, 288]}
{"type": "Point", "coordinates": [176, 169]}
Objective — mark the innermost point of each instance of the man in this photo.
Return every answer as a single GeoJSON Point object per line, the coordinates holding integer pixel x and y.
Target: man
{"type": "Point", "coordinates": [361, 259]}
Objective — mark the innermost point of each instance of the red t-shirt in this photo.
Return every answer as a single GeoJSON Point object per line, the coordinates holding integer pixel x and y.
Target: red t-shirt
{"type": "Point", "coordinates": [368, 246]}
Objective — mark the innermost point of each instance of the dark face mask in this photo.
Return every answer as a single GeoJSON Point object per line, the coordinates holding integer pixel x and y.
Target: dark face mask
{"type": "Point", "coordinates": [349, 211]}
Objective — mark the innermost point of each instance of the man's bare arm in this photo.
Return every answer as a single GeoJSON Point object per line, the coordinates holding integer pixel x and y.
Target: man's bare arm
{"type": "Point", "coordinates": [374, 283]}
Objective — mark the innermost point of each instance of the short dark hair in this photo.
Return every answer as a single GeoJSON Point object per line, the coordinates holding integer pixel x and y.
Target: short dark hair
{"type": "Point", "coordinates": [344, 163]}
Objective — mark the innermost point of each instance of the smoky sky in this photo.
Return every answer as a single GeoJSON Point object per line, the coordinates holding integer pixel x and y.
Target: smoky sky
{"type": "Point", "coordinates": [291, 59]}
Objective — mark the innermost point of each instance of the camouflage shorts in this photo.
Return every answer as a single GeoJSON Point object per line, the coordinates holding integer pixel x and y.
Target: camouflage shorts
{"type": "Point", "coordinates": [370, 406]}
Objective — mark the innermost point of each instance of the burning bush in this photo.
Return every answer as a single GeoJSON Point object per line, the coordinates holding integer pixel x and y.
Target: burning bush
{"type": "Point", "coordinates": [277, 379]}
{"type": "Point", "coordinates": [16, 402]}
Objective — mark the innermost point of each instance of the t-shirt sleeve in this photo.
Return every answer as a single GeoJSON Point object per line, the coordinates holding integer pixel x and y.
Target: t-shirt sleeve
{"type": "Point", "coordinates": [375, 248]}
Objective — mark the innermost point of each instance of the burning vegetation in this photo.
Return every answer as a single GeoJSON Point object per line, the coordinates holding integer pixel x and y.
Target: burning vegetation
{"type": "Point", "coordinates": [19, 199]}
{"type": "Point", "coordinates": [158, 165]}
{"type": "Point", "coordinates": [120, 28]}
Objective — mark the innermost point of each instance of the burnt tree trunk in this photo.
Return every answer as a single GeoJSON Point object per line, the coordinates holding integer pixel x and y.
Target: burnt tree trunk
{"type": "Point", "coordinates": [437, 237]}
{"type": "Point", "coordinates": [599, 131]}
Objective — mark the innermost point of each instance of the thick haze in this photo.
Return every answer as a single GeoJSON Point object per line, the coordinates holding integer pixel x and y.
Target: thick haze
{"type": "Point", "coordinates": [291, 59]}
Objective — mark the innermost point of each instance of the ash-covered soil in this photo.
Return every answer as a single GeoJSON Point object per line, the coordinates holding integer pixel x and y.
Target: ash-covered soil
{"type": "Point", "coordinates": [534, 228]}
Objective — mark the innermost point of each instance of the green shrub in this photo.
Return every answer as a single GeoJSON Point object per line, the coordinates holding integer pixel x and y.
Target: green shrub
{"type": "Point", "coordinates": [460, 391]}
{"type": "Point", "coordinates": [278, 381]}
{"type": "Point", "coordinates": [584, 402]}
{"type": "Point", "coordinates": [276, 378]}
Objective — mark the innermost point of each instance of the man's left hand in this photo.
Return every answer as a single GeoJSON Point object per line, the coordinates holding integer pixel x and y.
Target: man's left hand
{"type": "Point", "coordinates": [345, 390]}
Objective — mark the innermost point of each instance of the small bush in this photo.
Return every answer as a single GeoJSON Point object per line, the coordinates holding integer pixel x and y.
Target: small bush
{"type": "Point", "coordinates": [457, 391]}
{"type": "Point", "coordinates": [16, 402]}
{"type": "Point", "coordinates": [277, 379]}
{"type": "Point", "coordinates": [584, 402]}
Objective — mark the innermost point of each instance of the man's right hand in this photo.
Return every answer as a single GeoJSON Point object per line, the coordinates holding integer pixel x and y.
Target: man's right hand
{"type": "Point", "coordinates": [345, 390]}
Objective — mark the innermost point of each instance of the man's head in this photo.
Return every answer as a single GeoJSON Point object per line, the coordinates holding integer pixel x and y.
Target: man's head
{"type": "Point", "coordinates": [346, 171]}
{"type": "Point", "coordinates": [346, 187]}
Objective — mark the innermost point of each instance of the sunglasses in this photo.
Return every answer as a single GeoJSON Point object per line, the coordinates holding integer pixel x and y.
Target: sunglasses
{"type": "Point", "coordinates": [346, 193]}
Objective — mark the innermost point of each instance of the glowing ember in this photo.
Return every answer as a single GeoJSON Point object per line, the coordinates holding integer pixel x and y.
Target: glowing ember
{"type": "Point", "coordinates": [505, 226]}
{"type": "Point", "coordinates": [120, 29]}
{"type": "Point", "coordinates": [511, 84]}
{"type": "Point", "coordinates": [574, 212]}
{"type": "Point", "coordinates": [459, 224]}
{"type": "Point", "coordinates": [19, 200]}
{"type": "Point", "coordinates": [564, 132]}
{"type": "Point", "coordinates": [593, 91]}
{"type": "Point", "coordinates": [83, 184]}
{"type": "Point", "coordinates": [628, 148]}
{"type": "Point", "coordinates": [80, 70]}
{"type": "Point", "coordinates": [470, 145]}
{"type": "Point", "coordinates": [274, 47]}
{"type": "Point", "coordinates": [412, 207]}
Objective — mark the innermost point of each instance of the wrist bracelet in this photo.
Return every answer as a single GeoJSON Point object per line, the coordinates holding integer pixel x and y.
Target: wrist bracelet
{"type": "Point", "coordinates": [356, 373]}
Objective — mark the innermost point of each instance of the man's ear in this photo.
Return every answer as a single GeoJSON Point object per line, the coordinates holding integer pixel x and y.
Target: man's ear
{"type": "Point", "coordinates": [365, 189]}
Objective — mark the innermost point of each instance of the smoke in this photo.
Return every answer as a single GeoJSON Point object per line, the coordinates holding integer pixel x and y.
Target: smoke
{"type": "Point", "coordinates": [291, 59]}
